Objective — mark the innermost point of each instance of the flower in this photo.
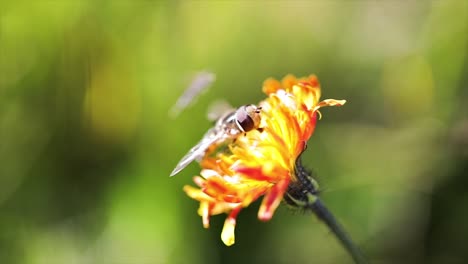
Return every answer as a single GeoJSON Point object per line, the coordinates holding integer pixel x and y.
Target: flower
{"type": "Point", "coordinates": [260, 162]}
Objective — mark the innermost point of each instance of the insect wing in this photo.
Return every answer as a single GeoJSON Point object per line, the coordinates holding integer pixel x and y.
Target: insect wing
{"type": "Point", "coordinates": [218, 109]}
{"type": "Point", "coordinates": [199, 150]}
{"type": "Point", "coordinates": [200, 82]}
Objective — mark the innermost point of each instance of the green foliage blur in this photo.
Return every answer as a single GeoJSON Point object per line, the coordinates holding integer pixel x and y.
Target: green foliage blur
{"type": "Point", "coordinates": [87, 144]}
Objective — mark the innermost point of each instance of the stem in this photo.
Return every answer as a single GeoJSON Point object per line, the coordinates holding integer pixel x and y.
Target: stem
{"type": "Point", "coordinates": [318, 207]}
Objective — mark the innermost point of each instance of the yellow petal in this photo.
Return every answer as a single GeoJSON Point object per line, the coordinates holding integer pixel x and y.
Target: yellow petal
{"type": "Point", "coordinates": [330, 102]}
{"type": "Point", "coordinates": [204, 211]}
{"type": "Point", "coordinates": [227, 235]}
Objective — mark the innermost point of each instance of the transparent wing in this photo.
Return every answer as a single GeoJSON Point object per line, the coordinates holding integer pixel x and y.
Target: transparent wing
{"type": "Point", "coordinates": [218, 108]}
{"type": "Point", "coordinates": [198, 151]}
{"type": "Point", "coordinates": [199, 84]}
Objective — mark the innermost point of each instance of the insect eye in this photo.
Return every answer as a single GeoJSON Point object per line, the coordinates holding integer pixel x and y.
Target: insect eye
{"type": "Point", "coordinates": [245, 121]}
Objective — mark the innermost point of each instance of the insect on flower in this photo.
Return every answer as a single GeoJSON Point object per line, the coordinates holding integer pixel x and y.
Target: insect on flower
{"type": "Point", "coordinates": [261, 163]}
{"type": "Point", "coordinates": [267, 162]}
{"type": "Point", "coordinates": [228, 126]}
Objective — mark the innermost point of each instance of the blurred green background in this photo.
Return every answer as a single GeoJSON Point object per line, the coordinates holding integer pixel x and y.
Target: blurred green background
{"type": "Point", "coordinates": [87, 144]}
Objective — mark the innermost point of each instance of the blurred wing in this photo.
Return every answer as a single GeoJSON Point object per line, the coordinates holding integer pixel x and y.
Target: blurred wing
{"type": "Point", "coordinates": [218, 108]}
{"type": "Point", "coordinates": [200, 82]}
{"type": "Point", "coordinates": [198, 151]}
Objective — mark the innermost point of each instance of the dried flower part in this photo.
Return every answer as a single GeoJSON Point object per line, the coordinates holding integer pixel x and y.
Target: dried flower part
{"type": "Point", "coordinates": [261, 162]}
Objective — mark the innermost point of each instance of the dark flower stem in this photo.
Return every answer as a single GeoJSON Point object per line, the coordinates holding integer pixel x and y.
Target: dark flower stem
{"type": "Point", "coordinates": [319, 208]}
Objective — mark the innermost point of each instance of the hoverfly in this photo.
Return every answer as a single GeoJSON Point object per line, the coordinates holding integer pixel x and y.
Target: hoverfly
{"type": "Point", "coordinates": [228, 126]}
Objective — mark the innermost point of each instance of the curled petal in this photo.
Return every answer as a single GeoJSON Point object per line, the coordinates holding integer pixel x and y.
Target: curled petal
{"type": "Point", "coordinates": [330, 102]}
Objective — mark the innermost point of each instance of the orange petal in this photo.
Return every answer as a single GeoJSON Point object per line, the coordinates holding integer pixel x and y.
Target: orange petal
{"type": "Point", "coordinates": [272, 199]}
{"type": "Point", "coordinates": [288, 81]}
{"type": "Point", "coordinates": [310, 127]}
{"type": "Point", "coordinates": [253, 173]}
{"type": "Point", "coordinates": [313, 80]}
{"type": "Point", "coordinates": [271, 86]}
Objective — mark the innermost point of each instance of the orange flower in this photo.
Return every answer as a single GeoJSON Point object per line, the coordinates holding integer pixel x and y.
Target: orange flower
{"type": "Point", "coordinates": [261, 162]}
